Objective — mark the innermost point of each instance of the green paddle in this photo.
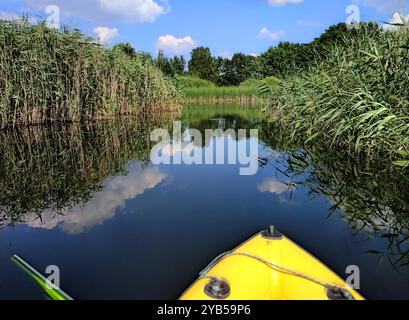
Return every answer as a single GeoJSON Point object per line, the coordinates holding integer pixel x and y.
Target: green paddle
{"type": "Point", "coordinates": [53, 291]}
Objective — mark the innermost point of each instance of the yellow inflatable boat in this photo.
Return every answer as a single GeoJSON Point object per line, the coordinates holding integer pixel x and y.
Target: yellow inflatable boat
{"type": "Point", "coordinates": [269, 267]}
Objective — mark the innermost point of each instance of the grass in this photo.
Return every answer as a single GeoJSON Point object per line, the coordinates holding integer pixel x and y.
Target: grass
{"type": "Point", "coordinates": [243, 95]}
{"type": "Point", "coordinates": [48, 75]}
{"type": "Point", "coordinates": [355, 100]}
{"type": "Point", "coordinates": [269, 82]}
{"type": "Point", "coordinates": [221, 92]}
{"type": "Point", "coordinates": [185, 82]}
{"type": "Point", "coordinates": [195, 88]}
{"type": "Point", "coordinates": [201, 91]}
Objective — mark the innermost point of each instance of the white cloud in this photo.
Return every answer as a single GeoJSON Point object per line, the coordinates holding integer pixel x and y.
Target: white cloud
{"type": "Point", "coordinates": [271, 185]}
{"type": "Point", "coordinates": [104, 11]}
{"type": "Point", "coordinates": [268, 34]}
{"type": "Point", "coordinates": [279, 3]}
{"type": "Point", "coordinates": [135, 10]}
{"type": "Point", "coordinates": [103, 205]}
{"type": "Point", "coordinates": [105, 35]}
{"type": "Point", "coordinates": [172, 45]}
{"type": "Point", "coordinates": [170, 150]}
{"type": "Point", "coordinates": [397, 18]}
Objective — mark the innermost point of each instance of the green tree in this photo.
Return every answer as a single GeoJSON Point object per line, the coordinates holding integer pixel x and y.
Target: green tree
{"type": "Point", "coordinates": [223, 73]}
{"type": "Point", "coordinates": [131, 52]}
{"type": "Point", "coordinates": [202, 64]}
{"type": "Point", "coordinates": [286, 59]}
{"type": "Point", "coordinates": [163, 63]}
{"type": "Point", "coordinates": [170, 66]}
{"type": "Point", "coordinates": [241, 67]}
{"type": "Point", "coordinates": [126, 48]}
{"type": "Point", "coordinates": [146, 57]}
{"type": "Point", "coordinates": [336, 35]}
{"type": "Point", "coordinates": [178, 65]}
{"type": "Point", "coordinates": [289, 58]}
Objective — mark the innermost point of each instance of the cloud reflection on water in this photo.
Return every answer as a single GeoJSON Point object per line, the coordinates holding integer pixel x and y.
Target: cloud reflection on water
{"type": "Point", "coordinates": [104, 204]}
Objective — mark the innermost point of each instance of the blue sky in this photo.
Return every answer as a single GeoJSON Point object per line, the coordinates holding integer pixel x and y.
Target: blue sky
{"type": "Point", "coordinates": [226, 26]}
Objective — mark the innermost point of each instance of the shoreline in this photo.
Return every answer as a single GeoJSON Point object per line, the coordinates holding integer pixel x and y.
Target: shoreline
{"type": "Point", "coordinates": [244, 101]}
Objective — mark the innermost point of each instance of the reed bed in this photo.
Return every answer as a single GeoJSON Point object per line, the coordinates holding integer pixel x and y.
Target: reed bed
{"type": "Point", "coordinates": [245, 101]}
{"type": "Point", "coordinates": [198, 91]}
{"type": "Point", "coordinates": [242, 95]}
{"type": "Point", "coordinates": [356, 99]}
{"type": "Point", "coordinates": [221, 92]}
{"type": "Point", "coordinates": [49, 76]}
{"type": "Point", "coordinates": [187, 81]}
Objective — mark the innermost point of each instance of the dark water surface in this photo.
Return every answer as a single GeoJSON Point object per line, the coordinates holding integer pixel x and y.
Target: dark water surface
{"type": "Point", "coordinates": [88, 200]}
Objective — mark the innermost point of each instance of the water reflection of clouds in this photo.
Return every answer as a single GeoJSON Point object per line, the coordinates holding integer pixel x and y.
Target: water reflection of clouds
{"type": "Point", "coordinates": [103, 204]}
{"type": "Point", "coordinates": [170, 150]}
{"type": "Point", "coordinates": [271, 185]}
{"type": "Point", "coordinates": [278, 188]}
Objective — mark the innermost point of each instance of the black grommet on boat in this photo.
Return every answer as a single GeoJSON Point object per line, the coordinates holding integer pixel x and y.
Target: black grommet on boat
{"type": "Point", "coordinates": [217, 289]}
{"type": "Point", "coordinates": [336, 293]}
{"type": "Point", "coordinates": [272, 234]}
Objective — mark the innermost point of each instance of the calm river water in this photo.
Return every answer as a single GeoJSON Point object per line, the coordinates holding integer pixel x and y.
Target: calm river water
{"type": "Point", "coordinates": [88, 200]}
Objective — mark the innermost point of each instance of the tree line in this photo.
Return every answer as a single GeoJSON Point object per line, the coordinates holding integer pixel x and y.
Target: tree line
{"type": "Point", "coordinates": [281, 61]}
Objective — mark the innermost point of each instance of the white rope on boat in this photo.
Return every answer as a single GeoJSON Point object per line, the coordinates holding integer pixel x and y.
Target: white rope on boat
{"type": "Point", "coordinates": [203, 274]}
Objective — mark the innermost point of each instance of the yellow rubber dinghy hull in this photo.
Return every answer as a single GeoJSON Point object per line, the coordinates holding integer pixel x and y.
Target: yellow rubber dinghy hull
{"type": "Point", "coordinates": [269, 267]}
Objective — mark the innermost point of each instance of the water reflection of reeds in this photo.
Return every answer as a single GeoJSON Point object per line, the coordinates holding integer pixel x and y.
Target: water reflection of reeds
{"type": "Point", "coordinates": [371, 195]}
{"type": "Point", "coordinates": [54, 168]}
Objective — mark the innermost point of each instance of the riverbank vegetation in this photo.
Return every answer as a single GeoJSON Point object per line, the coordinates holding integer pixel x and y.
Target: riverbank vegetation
{"type": "Point", "coordinates": [196, 90]}
{"type": "Point", "coordinates": [347, 88]}
{"type": "Point", "coordinates": [281, 61]}
{"type": "Point", "coordinates": [238, 75]}
{"type": "Point", "coordinates": [208, 92]}
{"type": "Point", "coordinates": [48, 75]}
{"type": "Point", "coordinates": [209, 79]}
{"type": "Point", "coordinates": [353, 96]}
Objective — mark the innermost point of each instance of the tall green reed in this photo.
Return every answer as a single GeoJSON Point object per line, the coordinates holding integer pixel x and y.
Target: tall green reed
{"type": "Point", "coordinates": [48, 75]}
{"type": "Point", "coordinates": [356, 99]}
